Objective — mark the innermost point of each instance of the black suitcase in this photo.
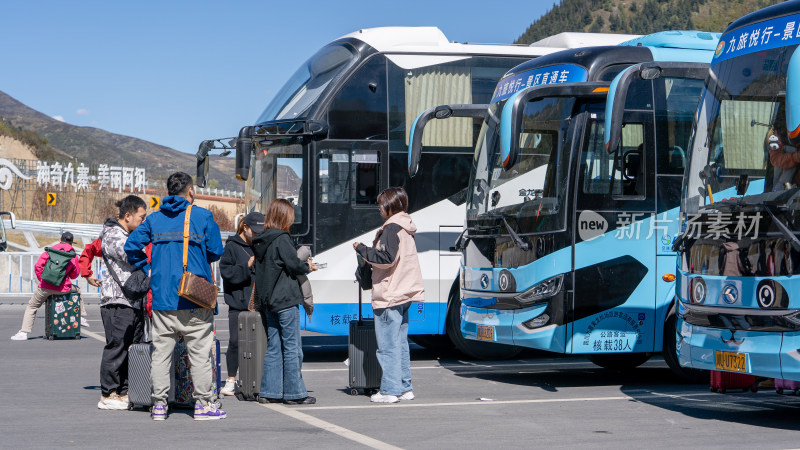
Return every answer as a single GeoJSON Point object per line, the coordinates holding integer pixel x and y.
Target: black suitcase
{"type": "Point", "coordinates": [62, 318]}
{"type": "Point", "coordinates": [362, 350]}
{"type": "Point", "coordinates": [252, 347]}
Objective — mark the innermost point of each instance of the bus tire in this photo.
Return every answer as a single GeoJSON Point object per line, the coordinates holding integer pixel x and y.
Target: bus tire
{"type": "Point", "coordinates": [619, 361]}
{"type": "Point", "coordinates": [474, 349]}
{"type": "Point", "coordinates": [670, 352]}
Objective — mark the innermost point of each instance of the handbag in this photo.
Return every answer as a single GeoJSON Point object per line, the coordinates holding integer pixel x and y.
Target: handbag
{"type": "Point", "coordinates": [135, 287]}
{"type": "Point", "coordinates": [195, 288]}
{"type": "Point", "coordinates": [364, 274]}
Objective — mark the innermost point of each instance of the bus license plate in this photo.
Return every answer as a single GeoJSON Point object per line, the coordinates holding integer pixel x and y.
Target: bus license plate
{"type": "Point", "coordinates": [731, 361]}
{"type": "Point", "coordinates": [485, 332]}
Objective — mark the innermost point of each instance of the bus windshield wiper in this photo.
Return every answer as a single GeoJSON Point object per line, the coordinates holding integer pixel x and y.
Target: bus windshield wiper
{"type": "Point", "coordinates": [514, 236]}
{"type": "Point", "coordinates": [787, 233]}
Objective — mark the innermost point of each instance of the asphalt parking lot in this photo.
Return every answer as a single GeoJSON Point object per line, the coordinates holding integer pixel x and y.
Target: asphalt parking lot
{"type": "Point", "coordinates": [51, 389]}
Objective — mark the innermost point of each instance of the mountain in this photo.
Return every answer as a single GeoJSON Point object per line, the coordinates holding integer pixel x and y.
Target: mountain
{"type": "Point", "coordinates": [639, 16]}
{"type": "Point", "coordinates": [90, 145]}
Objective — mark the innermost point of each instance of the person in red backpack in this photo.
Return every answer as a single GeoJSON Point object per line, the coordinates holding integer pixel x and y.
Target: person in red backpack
{"type": "Point", "coordinates": [45, 289]}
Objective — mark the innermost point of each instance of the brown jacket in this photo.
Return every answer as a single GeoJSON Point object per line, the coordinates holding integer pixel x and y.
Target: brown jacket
{"type": "Point", "coordinates": [396, 274]}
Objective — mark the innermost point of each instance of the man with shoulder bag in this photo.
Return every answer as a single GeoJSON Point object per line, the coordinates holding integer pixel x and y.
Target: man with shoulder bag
{"type": "Point", "coordinates": [186, 240]}
{"type": "Point", "coordinates": [120, 304]}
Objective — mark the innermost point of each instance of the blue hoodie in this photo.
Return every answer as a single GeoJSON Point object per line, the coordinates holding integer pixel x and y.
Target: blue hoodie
{"type": "Point", "coordinates": [165, 230]}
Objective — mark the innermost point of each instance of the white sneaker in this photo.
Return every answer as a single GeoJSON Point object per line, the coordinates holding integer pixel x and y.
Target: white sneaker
{"type": "Point", "coordinates": [112, 402]}
{"type": "Point", "coordinates": [408, 395]}
{"type": "Point", "coordinates": [229, 388]}
{"type": "Point", "coordinates": [383, 398]}
{"type": "Point", "coordinates": [84, 322]}
{"type": "Point", "coordinates": [20, 336]}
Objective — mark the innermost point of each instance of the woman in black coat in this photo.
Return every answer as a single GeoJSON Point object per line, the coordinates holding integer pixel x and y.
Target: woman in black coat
{"type": "Point", "coordinates": [237, 268]}
{"type": "Point", "coordinates": [278, 296]}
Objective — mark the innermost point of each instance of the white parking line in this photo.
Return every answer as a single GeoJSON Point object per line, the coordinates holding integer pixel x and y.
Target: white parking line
{"type": "Point", "coordinates": [93, 335]}
{"type": "Point", "coordinates": [502, 402]}
{"type": "Point", "coordinates": [327, 426]}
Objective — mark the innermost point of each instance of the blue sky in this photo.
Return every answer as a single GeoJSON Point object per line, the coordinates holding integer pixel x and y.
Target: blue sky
{"type": "Point", "coordinates": [178, 72]}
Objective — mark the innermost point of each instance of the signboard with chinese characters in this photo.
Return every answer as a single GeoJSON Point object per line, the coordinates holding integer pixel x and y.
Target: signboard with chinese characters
{"type": "Point", "coordinates": [113, 178]}
{"type": "Point", "coordinates": [555, 74]}
{"type": "Point", "coordinates": [769, 34]}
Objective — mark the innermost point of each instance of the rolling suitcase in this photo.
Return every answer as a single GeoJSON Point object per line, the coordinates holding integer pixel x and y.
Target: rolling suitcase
{"type": "Point", "coordinates": [63, 316]}
{"type": "Point", "coordinates": [140, 388]}
{"type": "Point", "coordinates": [183, 385]}
{"type": "Point", "coordinates": [252, 347]}
{"type": "Point", "coordinates": [362, 350]}
{"type": "Point", "coordinates": [786, 386]}
{"type": "Point", "coordinates": [722, 381]}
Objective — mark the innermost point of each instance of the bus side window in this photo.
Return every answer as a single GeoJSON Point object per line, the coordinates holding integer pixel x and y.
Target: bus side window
{"type": "Point", "coordinates": [334, 177]}
{"type": "Point", "coordinates": [630, 160]}
{"type": "Point", "coordinates": [366, 175]}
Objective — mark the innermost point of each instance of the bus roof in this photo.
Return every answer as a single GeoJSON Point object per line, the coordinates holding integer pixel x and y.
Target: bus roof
{"type": "Point", "coordinates": [687, 40]}
{"type": "Point", "coordinates": [770, 12]}
{"type": "Point", "coordinates": [577, 40]}
{"type": "Point", "coordinates": [433, 40]}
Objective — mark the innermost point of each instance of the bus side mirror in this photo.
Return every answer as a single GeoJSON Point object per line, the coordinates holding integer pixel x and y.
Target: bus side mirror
{"type": "Point", "coordinates": [3, 241]}
{"type": "Point", "coordinates": [474, 111]}
{"type": "Point", "coordinates": [793, 99]}
{"type": "Point", "coordinates": [615, 107]}
{"type": "Point", "coordinates": [202, 163]}
{"type": "Point", "coordinates": [244, 149]}
{"type": "Point", "coordinates": [415, 140]}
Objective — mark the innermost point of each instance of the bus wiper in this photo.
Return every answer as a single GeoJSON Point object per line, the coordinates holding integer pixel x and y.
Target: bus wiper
{"type": "Point", "coordinates": [787, 233]}
{"type": "Point", "coordinates": [514, 236]}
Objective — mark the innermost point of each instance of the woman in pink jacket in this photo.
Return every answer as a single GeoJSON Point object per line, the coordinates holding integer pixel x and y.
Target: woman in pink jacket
{"type": "Point", "coordinates": [45, 289]}
{"type": "Point", "coordinates": [396, 282]}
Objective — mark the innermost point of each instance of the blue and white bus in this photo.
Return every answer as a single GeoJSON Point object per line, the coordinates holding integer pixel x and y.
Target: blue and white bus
{"type": "Point", "coordinates": [336, 135]}
{"type": "Point", "coordinates": [573, 196]}
{"type": "Point", "coordinates": [737, 289]}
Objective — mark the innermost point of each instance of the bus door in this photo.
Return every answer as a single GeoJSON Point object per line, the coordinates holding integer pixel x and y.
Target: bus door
{"type": "Point", "coordinates": [613, 299]}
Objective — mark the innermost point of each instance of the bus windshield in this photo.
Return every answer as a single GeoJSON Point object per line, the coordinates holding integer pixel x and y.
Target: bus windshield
{"type": "Point", "coordinates": [277, 172]}
{"type": "Point", "coordinates": [298, 95]}
{"type": "Point", "coordinates": [741, 130]}
{"type": "Point", "coordinates": [532, 192]}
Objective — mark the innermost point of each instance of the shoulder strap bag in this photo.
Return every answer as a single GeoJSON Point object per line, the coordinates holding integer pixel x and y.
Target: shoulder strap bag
{"type": "Point", "coordinates": [135, 287]}
{"type": "Point", "coordinates": [192, 287]}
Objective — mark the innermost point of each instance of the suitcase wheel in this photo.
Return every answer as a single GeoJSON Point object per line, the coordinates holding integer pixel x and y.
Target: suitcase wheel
{"type": "Point", "coordinates": [130, 406]}
{"type": "Point", "coordinates": [779, 391]}
{"type": "Point", "coordinates": [354, 391]}
{"type": "Point", "coordinates": [77, 336]}
{"type": "Point", "coordinates": [755, 388]}
{"type": "Point", "coordinates": [722, 390]}
{"type": "Point", "coordinates": [51, 337]}
{"type": "Point", "coordinates": [239, 396]}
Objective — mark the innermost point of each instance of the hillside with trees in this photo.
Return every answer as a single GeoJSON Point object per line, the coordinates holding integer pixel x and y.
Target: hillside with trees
{"type": "Point", "coordinates": [639, 16]}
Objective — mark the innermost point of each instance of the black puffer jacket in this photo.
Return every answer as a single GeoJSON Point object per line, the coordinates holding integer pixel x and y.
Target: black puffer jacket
{"type": "Point", "coordinates": [277, 267]}
{"type": "Point", "coordinates": [237, 278]}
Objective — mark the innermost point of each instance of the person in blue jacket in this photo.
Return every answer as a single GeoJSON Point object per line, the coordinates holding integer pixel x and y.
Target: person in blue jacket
{"type": "Point", "coordinates": [173, 314]}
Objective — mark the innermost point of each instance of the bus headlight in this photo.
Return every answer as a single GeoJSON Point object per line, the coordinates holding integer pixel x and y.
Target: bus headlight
{"type": "Point", "coordinates": [698, 290]}
{"type": "Point", "coordinates": [545, 289]}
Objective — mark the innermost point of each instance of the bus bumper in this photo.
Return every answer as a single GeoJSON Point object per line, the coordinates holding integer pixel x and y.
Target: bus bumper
{"type": "Point", "coordinates": [766, 353]}
{"type": "Point", "coordinates": [507, 326]}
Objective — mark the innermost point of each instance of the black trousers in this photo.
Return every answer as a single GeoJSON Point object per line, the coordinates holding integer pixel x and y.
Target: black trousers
{"type": "Point", "coordinates": [232, 354]}
{"type": "Point", "coordinates": [123, 326]}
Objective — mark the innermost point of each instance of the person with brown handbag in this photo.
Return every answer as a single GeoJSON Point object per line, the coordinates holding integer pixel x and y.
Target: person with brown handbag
{"type": "Point", "coordinates": [186, 240]}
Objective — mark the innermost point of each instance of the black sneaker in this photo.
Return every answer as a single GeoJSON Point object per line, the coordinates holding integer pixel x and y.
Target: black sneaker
{"type": "Point", "coordinates": [269, 400]}
{"type": "Point", "coordinates": [301, 401]}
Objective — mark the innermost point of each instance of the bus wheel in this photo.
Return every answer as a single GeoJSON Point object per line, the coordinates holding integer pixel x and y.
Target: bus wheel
{"type": "Point", "coordinates": [619, 361]}
{"type": "Point", "coordinates": [473, 349]}
{"type": "Point", "coordinates": [670, 353]}
{"type": "Point", "coordinates": [437, 343]}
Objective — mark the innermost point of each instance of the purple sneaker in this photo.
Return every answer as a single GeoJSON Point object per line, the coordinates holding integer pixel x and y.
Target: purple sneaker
{"type": "Point", "coordinates": [207, 412]}
{"type": "Point", "coordinates": [159, 411]}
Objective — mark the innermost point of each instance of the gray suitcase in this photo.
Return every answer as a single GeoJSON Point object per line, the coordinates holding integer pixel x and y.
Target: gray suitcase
{"type": "Point", "coordinates": [362, 350]}
{"type": "Point", "coordinates": [140, 389]}
{"type": "Point", "coordinates": [252, 347]}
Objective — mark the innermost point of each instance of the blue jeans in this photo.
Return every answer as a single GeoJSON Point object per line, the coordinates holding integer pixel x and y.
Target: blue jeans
{"type": "Point", "coordinates": [391, 330]}
{"type": "Point", "coordinates": [282, 362]}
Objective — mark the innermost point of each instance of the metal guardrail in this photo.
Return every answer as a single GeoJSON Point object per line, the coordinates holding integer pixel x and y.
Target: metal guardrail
{"type": "Point", "coordinates": [18, 277]}
{"type": "Point", "coordinates": [219, 192]}
{"type": "Point", "coordinates": [78, 229]}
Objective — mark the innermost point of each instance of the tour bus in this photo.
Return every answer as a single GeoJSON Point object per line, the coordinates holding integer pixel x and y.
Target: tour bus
{"type": "Point", "coordinates": [736, 292]}
{"type": "Point", "coordinates": [574, 191]}
{"type": "Point", "coordinates": [336, 135]}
